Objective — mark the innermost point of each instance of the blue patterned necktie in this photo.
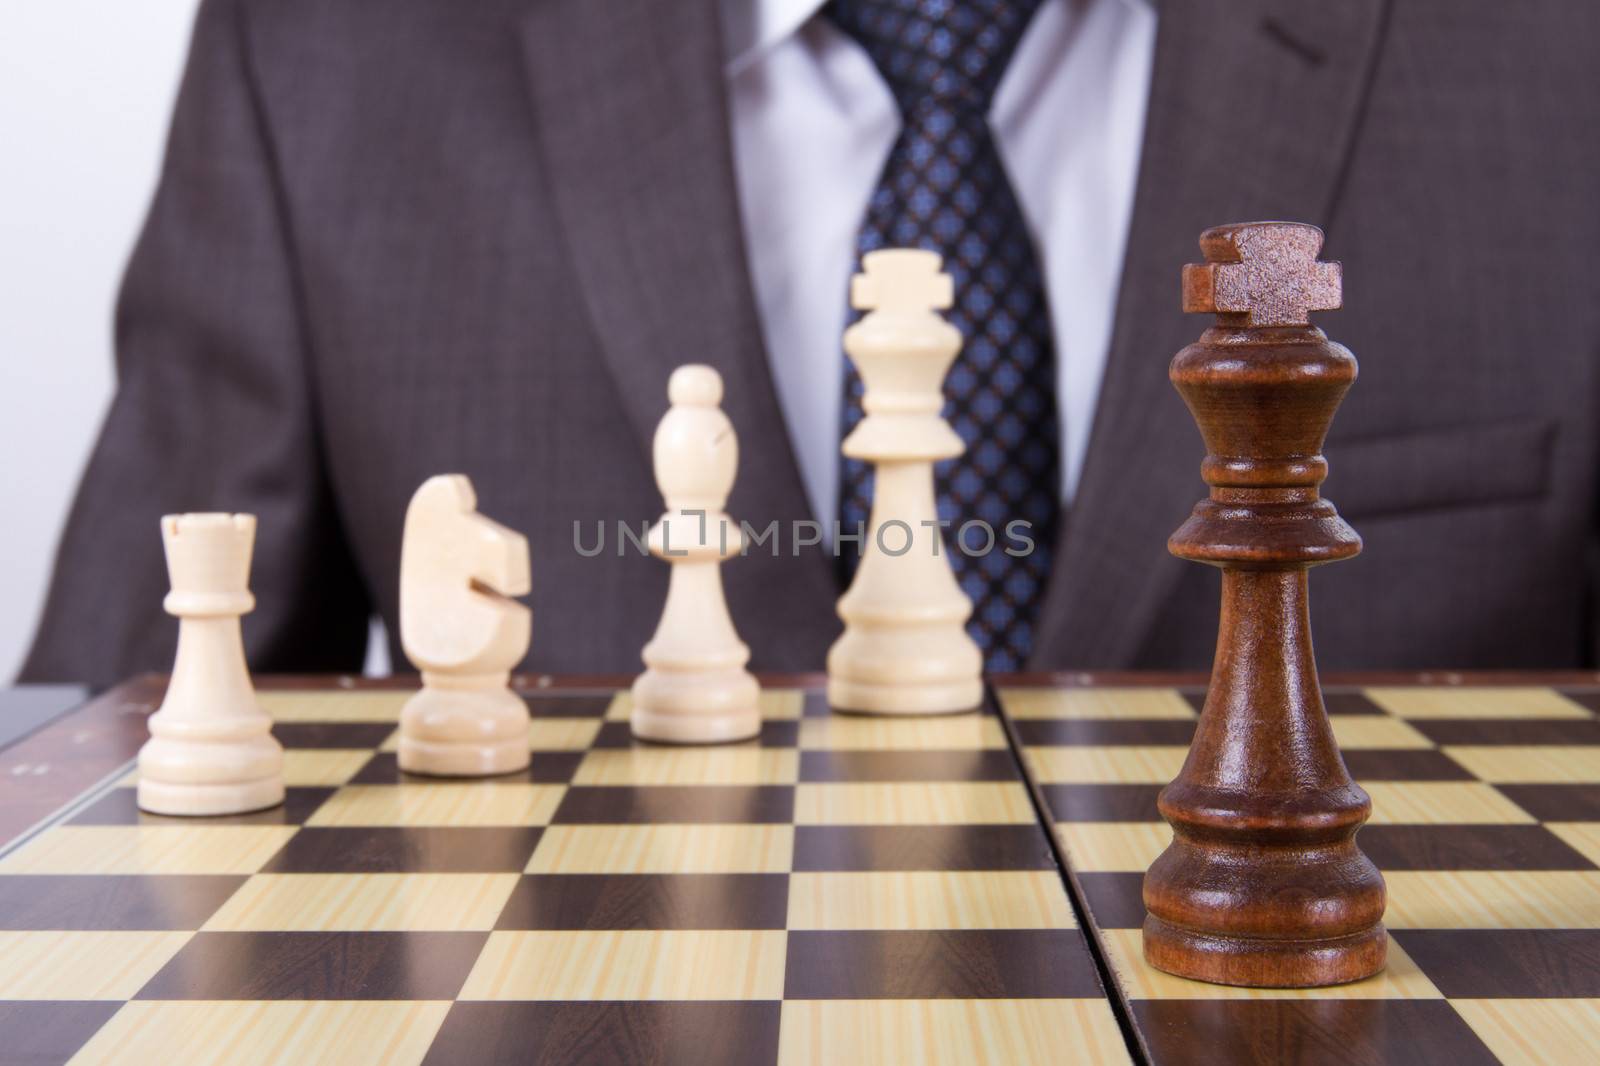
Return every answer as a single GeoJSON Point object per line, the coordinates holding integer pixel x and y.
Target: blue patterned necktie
{"type": "Point", "coordinates": [945, 189]}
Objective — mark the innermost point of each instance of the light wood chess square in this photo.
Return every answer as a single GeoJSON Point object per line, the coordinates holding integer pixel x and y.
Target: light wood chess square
{"type": "Point", "coordinates": [913, 803]}
{"type": "Point", "coordinates": [730, 765]}
{"type": "Point", "coordinates": [663, 849]}
{"type": "Point", "coordinates": [1583, 836]}
{"type": "Point", "coordinates": [782, 704]}
{"type": "Point", "coordinates": [149, 849]}
{"type": "Point", "coordinates": [630, 964]}
{"type": "Point", "coordinates": [446, 803]}
{"type": "Point", "coordinates": [1493, 899]}
{"type": "Point", "coordinates": [1152, 765]}
{"type": "Point", "coordinates": [1528, 1032]}
{"type": "Point", "coordinates": [250, 1033]}
{"type": "Point", "coordinates": [362, 902]}
{"type": "Point", "coordinates": [1095, 703]}
{"type": "Point", "coordinates": [927, 899]}
{"type": "Point", "coordinates": [948, 1032]}
{"type": "Point", "coordinates": [562, 734]}
{"type": "Point", "coordinates": [1375, 731]}
{"type": "Point", "coordinates": [1475, 702]}
{"type": "Point", "coordinates": [314, 706]}
{"type": "Point", "coordinates": [1530, 765]}
{"type": "Point", "coordinates": [322, 767]}
{"type": "Point", "coordinates": [1113, 847]}
{"type": "Point", "coordinates": [1400, 979]}
{"type": "Point", "coordinates": [1441, 803]}
{"type": "Point", "coordinates": [82, 964]}
{"type": "Point", "coordinates": [777, 704]}
{"type": "Point", "coordinates": [842, 732]}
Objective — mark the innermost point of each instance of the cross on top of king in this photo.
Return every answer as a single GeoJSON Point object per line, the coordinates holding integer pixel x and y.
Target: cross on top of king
{"type": "Point", "coordinates": [1265, 272]}
{"type": "Point", "coordinates": [901, 280]}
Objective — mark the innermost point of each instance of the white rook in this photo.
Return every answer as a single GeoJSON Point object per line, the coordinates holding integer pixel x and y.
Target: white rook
{"type": "Point", "coordinates": [211, 749]}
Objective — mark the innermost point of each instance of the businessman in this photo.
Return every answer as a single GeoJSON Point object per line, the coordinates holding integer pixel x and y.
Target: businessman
{"type": "Point", "coordinates": [395, 238]}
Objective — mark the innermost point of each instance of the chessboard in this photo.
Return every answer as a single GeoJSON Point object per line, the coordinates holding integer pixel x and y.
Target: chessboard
{"type": "Point", "coordinates": [1485, 824]}
{"type": "Point", "coordinates": [840, 890]}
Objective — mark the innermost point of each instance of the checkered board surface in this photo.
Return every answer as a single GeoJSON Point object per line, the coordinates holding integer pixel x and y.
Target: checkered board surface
{"type": "Point", "coordinates": [844, 890]}
{"type": "Point", "coordinates": [1486, 825]}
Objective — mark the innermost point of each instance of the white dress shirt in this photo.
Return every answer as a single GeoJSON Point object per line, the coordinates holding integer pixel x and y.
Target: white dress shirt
{"type": "Point", "coordinates": [813, 123]}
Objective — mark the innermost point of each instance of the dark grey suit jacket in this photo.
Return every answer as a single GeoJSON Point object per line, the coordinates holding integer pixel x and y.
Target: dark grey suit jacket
{"type": "Point", "coordinates": [402, 237]}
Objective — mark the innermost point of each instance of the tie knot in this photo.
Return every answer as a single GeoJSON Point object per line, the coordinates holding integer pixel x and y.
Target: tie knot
{"type": "Point", "coordinates": [950, 51]}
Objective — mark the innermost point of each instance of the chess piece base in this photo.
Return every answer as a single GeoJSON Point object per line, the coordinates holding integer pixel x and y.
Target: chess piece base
{"type": "Point", "coordinates": [230, 767]}
{"type": "Point", "coordinates": [1264, 963]}
{"type": "Point", "coordinates": [696, 708]}
{"type": "Point", "coordinates": [189, 799]}
{"type": "Point", "coordinates": [926, 665]}
{"type": "Point", "coordinates": [448, 732]}
{"type": "Point", "coordinates": [864, 697]}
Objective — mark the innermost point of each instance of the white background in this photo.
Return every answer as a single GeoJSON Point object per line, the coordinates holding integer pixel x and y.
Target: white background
{"type": "Point", "coordinates": [86, 88]}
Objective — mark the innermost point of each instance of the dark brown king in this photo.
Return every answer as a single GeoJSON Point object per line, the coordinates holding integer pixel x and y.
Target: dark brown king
{"type": "Point", "coordinates": [1263, 883]}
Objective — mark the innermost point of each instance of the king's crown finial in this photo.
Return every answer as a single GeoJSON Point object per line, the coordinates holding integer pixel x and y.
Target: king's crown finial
{"type": "Point", "coordinates": [1266, 272]}
{"type": "Point", "coordinates": [903, 280]}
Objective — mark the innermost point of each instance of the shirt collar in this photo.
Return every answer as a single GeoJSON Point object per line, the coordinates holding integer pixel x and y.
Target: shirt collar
{"type": "Point", "coordinates": [751, 27]}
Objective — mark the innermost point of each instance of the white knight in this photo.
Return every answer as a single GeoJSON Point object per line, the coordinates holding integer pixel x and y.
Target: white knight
{"type": "Point", "coordinates": [462, 630]}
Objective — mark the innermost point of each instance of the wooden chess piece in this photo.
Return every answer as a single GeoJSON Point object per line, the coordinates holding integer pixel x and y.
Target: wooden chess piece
{"type": "Point", "coordinates": [211, 749]}
{"type": "Point", "coordinates": [695, 689]}
{"type": "Point", "coordinates": [462, 630]}
{"type": "Point", "coordinates": [1263, 883]}
{"type": "Point", "coordinates": [905, 649]}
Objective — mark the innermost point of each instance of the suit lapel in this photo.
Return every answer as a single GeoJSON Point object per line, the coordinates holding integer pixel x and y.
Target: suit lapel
{"type": "Point", "coordinates": [1253, 107]}
{"type": "Point", "coordinates": [629, 101]}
